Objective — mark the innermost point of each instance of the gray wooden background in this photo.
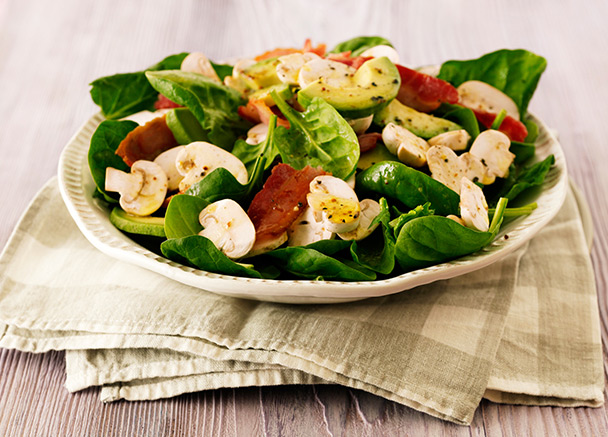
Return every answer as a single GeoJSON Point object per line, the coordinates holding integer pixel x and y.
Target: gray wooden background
{"type": "Point", "coordinates": [51, 50]}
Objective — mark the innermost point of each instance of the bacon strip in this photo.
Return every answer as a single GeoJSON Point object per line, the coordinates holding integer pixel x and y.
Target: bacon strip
{"type": "Point", "coordinates": [345, 58]}
{"type": "Point", "coordinates": [257, 111]}
{"type": "Point", "coordinates": [146, 142]}
{"type": "Point", "coordinates": [423, 92]}
{"type": "Point", "coordinates": [164, 103]}
{"type": "Point", "coordinates": [368, 141]}
{"type": "Point", "coordinates": [281, 200]}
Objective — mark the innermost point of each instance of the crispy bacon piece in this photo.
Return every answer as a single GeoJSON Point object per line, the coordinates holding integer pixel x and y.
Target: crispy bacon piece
{"type": "Point", "coordinates": [164, 103]}
{"type": "Point", "coordinates": [146, 142]}
{"type": "Point", "coordinates": [281, 201]}
{"type": "Point", "coordinates": [344, 58]}
{"type": "Point", "coordinates": [257, 111]}
{"type": "Point", "coordinates": [368, 141]}
{"type": "Point", "coordinates": [511, 127]}
{"type": "Point", "coordinates": [423, 92]}
{"type": "Point", "coordinates": [281, 51]}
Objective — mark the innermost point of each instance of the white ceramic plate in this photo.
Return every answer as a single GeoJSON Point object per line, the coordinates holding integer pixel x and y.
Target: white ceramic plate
{"type": "Point", "coordinates": [92, 217]}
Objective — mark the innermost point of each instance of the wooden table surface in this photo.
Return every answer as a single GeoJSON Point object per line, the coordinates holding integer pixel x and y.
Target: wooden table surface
{"type": "Point", "coordinates": [51, 50]}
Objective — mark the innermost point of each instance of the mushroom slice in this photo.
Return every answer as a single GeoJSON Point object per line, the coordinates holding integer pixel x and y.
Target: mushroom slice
{"type": "Point", "coordinates": [227, 225]}
{"type": "Point", "coordinates": [142, 191]}
{"type": "Point", "coordinates": [369, 211]}
{"type": "Point", "coordinates": [492, 147]}
{"type": "Point", "coordinates": [332, 73]}
{"type": "Point", "coordinates": [475, 169]}
{"type": "Point", "coordinates": [482, 96]}
{"type": "Point", "coordinates": [456, 140]}
{"type": "Point", "coordinates": [197, 62]}
{"type": "Point", "coordinates": [257, 134]}
{"type": "Point", "coordinates": [306, 230]}
{"type": "Point", "coordinates": [200, 158]}
{"type": "Point", "coordinates": [473, 206]}
{"type": "Point", "coordinates": [334, 203]}
{"type": "Point", "coordinates": [167, 160]}
{"type": "Point", "coordinates": [268, 244]}
{"type": "Point", "coordinates": [360, 125]}
{"type": "Point", "coordinates": [445, 166]}
{"type": "Point", "coordinates": [290, 65]}
{"type": "Point", "coordinates": [382, 50]}
{"type": "Point", "coordinates": [409, 148]}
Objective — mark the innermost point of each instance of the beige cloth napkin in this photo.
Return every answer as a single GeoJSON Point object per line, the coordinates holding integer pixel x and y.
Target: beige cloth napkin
{"type": "Point", "coordinates": [524, 330]}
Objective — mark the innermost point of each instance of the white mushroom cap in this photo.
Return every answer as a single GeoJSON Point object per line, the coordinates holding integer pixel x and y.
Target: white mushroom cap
{"type": "Point", "coordinates": [492, 147]}
{"type": "Point", "coordinates": [360, 125]}
{"type": "Point", "coordinates": [456, 139]}
{"type": "Point", "coordinates": [445, 166]}
{"type": "Point", "coordinates": [143, 117]}
{"type": "Point", "coordinates": [334, 203]}
{"type": "Point", "coordinates": [290, 65]}
{"type": "Point", "coordinates": [369, 211]}
{"type": "Point", "coordinates": [227, 225]}
{"type": "Point", "coordinates": [197, 62]}
{"type": "Point", "coordinates": [473, 206]}
{"type": "Point", "coordinates": [475, 170]}
{"type": "Point", "coordinates": [409, 148]}
{"type": "Point", "coordinates": [142, 191]}
{"type": "Point", "coordinates": [167, 160]}
{"type": "Point", "coordinates": [200, 158]}
{"type": "Point", "coordinates": [382, 50]}
{"type": "Point", "coordinates": [332, 73]}
{"type": "Point", "coordinates": [482, 96]}
{"type": "Point", "coordinates": [257, 134]}
{"type": "Point", "coordinates": [306, 230]}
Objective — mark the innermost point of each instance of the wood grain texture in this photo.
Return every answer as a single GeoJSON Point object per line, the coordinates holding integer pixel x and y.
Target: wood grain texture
{"type": "Point", "coordinates": [50, 51]}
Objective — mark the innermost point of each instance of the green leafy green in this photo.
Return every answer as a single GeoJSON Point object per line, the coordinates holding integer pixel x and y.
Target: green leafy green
{"type": "Point", "coordinates": [402, 219]}
{"type": "Point", "coordinates": [214, 105]}
{"type": "Point", "coordinates": [319, 136]}
{"type": "Point", "coordinates": [522, 151]}
{"type": "Point", "coordinates": [532, 130]}
{"type": "Point", "coordinates": [514, 72]}
{"type": "Point", "coordinates": [359, 44]}
{"type": "Point", "coordinates": [529, 177]}
{"type": "Point", "coordinates": [201, 253]}
{"type": "Point", "coordinates": [181, 218]}
{"type": "Point", "coordinates": [377, 251]}
{"type": "Point", "coordinates": [222, 70]}
{"type": "Point", "coordinates": [430, 240]}
{"type": "Point", "coordinates": [411, 187]}
{"type": "Point", "coordinates": [127, 93]}
{"type": "Point", "coordinates": [465, 117]}
{"type": "Point", "coordinates": [102, 152]}
{"type": "Point", "coordinates": [306, 262]}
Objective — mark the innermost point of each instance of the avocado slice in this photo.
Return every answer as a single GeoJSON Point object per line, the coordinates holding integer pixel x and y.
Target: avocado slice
{"type": "Point", "coordinates": [261, 74]}
{"type": "Point", "coordinates": [371, 88]}
{"type": "Point", "coordinates": [419, 123]}
{"type": "Point", "coordinates": [378, 154]}
{"type": "Point", "coordinates": [153, 226]}
{"type": "Point", "coordinates": [185, 127]}
{"type": "Point", "coordinates": [283, 90]}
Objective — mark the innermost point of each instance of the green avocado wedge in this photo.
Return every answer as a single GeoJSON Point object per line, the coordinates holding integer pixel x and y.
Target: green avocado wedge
{"type": "Point", "coordinates": [153, 226]}
{"type": "Point", "coordinates": [371, 88]}
{"type": "Point", "coordinates": [421, 124]}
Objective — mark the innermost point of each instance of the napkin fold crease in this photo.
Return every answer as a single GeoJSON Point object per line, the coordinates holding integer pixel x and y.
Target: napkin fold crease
{"type": "Point", "coordinates": [524, 330]}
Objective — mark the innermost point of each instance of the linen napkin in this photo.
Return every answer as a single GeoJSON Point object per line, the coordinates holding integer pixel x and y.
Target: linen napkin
{"type": "Point", "coordinates": [436, 348]}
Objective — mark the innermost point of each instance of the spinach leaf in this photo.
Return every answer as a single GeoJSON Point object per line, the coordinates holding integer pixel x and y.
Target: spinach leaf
{"type": "Point", "coordinates": [359, 44]}
{"type": "Point", "coordinates": [221, 184]}
{"type": "Point", "coordinates": [102, 152]}
{"type": "Point", "coordinates": [529, 177]}
{"type": "Point", "coordinates": [411, 187]}
{"type": "Point", "coordinates": [249, 154]}
{"type": "Point", "coordinates": [127, 93]}
{"type": "Point", "coordinates": [306, 262]}
{"type": "Point", "coordinates": [201, 253]}
{"type": "Point", "coordinates": [319, 136]}
{"type": "Point", "coordinates": [532, 131]}
{"type": "Point", "coordinates": [222, 70]}
{"type": "Point", "coordinates": [377, 251]}
{"type": "Point", "coordinates": [419, 211]}
{"type": "Point", "coordinates": [465, 117]}
{"type": "Point", "coordinates": [214, 105]}
{"type": "Point", "coordinates": [181, 218]}
{"type": "Point", "coordinates": [514, 72]}
{"type": "Point", "coordinates": [430, 240]}
{"type": "Point", "coordinates": [522, 151]}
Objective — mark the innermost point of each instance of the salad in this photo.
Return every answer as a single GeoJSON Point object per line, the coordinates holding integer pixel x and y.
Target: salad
{"type": "Point", "coordinates": [307, 163]}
